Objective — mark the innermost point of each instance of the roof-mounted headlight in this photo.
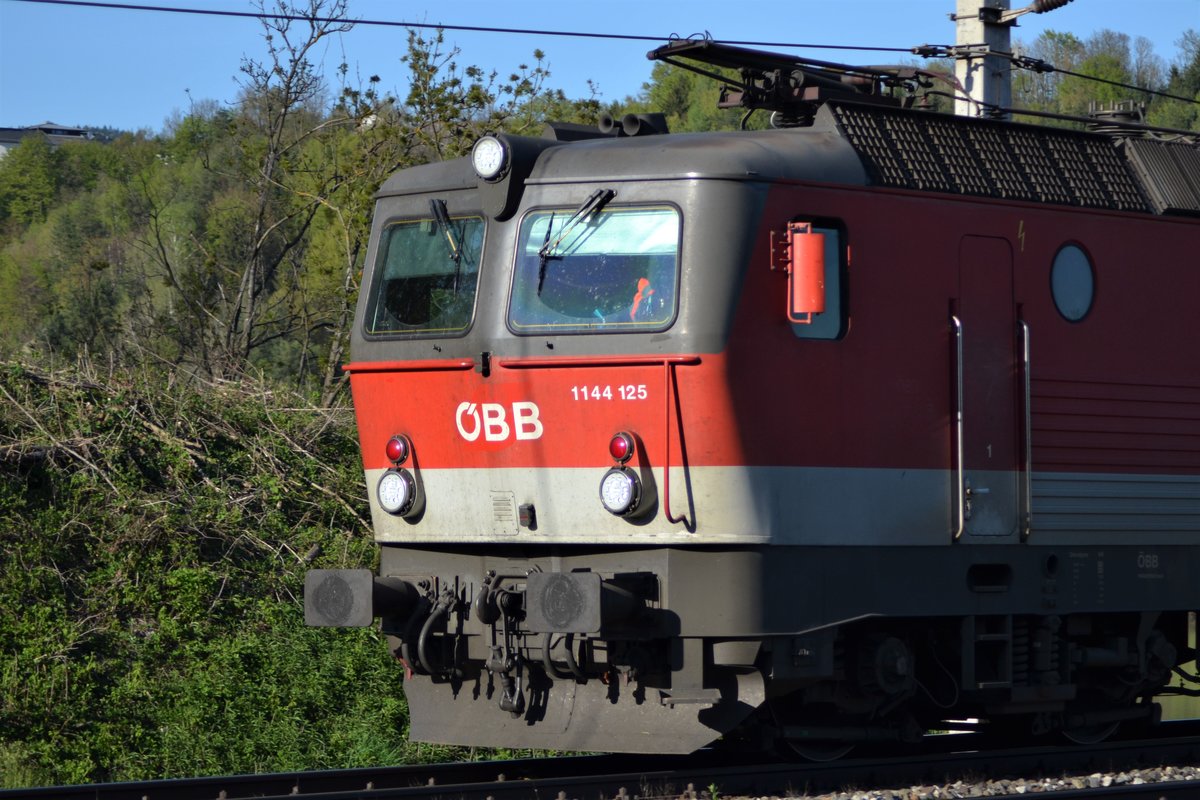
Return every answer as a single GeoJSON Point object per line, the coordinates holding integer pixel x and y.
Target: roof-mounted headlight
{"type": "Point", "coordinates": [490, 158]}
{"type": "Point", "coordinates": [503, 163]}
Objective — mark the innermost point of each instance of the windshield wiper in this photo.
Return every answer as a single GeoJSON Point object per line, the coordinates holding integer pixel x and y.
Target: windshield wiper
{"type": "Point", "coordinates": [441, 218]}
{"type": "Point", "coordinates": [544, 254]}
{"type": "Point", "coordinates": [594, 203]}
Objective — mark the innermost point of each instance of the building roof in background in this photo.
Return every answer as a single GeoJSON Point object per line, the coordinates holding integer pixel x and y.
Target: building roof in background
{"type": "Point", "coordinates": [57, 134]}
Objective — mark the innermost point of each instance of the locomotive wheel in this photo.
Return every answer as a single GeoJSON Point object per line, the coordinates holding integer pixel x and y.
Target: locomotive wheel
{"type": "Point", "coordinates": [819, 750]}
{"type": "Point", "coordinates": [1006, 730]}
{"type": "Point", "coordinates": [809, 748]}
{"type": "Point", "coordinates": [1090, 734]}
{"type": "Point", "coordinates": [1097, 731]}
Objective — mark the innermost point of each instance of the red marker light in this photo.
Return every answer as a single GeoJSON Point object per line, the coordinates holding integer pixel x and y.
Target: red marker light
{"type": "Point", "coordinates": [397, 449]}
{"type": "Point", "coordinates": [620, 447]}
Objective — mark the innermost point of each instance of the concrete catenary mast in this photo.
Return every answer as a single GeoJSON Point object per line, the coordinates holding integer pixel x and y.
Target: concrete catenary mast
{"type": "Point", "coordinates": [983, 30]}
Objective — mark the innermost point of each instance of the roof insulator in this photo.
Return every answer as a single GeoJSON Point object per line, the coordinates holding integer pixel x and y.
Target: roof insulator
{"type": "Point", "coordinates": [1042, 6]}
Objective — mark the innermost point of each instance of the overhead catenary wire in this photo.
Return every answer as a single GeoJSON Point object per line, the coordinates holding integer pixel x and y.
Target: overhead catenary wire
{"type": "Point", "coordinates": [996, 111]}
{"type": "Point", "coordinates": [927, 51]}
{"type": "Point", "coordinates": [1038, 65]}
{"type": "Point", "coordinates": [434, 25]}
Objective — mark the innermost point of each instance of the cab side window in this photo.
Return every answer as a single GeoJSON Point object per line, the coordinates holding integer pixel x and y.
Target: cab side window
{"type": "Point", "coordinates": [425, 277]}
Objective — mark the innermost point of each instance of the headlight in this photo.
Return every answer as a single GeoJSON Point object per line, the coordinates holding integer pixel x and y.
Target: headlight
{"type": "Point", "coordinates": [489, 157]}
{"type": "Point", "coordinates": [396, 491]}
{"type": "Point", "coordinates": [620, 491]}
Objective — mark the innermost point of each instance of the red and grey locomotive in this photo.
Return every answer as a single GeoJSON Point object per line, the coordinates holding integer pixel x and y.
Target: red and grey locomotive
{"type": "Point", "coordinates": [826, 433]}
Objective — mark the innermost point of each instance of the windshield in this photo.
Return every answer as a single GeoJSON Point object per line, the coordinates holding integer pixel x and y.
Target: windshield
{"type": "Point", "coordinates": [615, 271]}
{"type": "Point", "coordinates": [425, 276]}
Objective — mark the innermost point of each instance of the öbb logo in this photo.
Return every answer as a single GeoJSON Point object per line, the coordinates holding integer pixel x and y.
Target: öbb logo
{"type": "Point", "coordinates": [492, 421]}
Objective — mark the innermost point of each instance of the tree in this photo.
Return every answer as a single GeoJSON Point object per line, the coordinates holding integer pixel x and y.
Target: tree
{"type": "Point", "coordinates": [1183, 81]}
{"type": "Point", "coordinates": [1108, 56]}
{"type": "Point", "coordinates": [28, 181]}
{"type": "Point", "coordinates": [280, 112]}
{"type": "Point", "coordinates": [241, 290]}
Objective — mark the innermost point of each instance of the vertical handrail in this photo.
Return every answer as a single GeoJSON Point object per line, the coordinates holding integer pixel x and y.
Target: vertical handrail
{"type": "Point", "coordinates": [668, 380]}
{"type": "Point", "coordinates": [1027, 483]}
{"type": "Point", "coordinates": [960, 477]}
{"type": "Point", "coordinates": [671, 390]}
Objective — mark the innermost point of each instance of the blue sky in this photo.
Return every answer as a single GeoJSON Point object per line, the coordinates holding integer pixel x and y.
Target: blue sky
{"type": "Point", "coordinates": [133, 69]}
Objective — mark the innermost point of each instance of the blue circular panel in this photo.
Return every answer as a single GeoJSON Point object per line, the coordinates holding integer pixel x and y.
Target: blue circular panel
{"type": "Point", "coordinates": [1072, 283]}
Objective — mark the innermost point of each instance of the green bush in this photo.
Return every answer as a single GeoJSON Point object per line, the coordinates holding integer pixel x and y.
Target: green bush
{"type": "Point", "coordinates": [154, 537]}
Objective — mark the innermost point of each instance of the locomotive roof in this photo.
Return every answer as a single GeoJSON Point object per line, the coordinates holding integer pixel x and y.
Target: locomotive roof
{"type": "Point", "coordinates": [855, 144]}
{"type": "Point", "coordinates": [438, 176]}
{"type": "Point", "coordinates": [819, 154]}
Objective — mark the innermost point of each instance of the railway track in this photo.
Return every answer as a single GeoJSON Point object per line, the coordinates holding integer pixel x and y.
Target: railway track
{"type": "Point", "coordinates": [942, 762]}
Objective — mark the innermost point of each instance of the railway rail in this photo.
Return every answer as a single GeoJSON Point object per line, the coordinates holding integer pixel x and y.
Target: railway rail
{"type": "Point", "coordinates": [942, 761]}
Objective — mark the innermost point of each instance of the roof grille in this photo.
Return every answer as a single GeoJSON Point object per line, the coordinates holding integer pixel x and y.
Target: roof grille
{"type": "Point", "coordinates": [1170, 173]}
{"type": "Point", "coordinates": [930, 152]}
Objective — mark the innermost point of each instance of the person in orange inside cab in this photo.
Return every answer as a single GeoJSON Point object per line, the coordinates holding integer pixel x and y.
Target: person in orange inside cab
{"type": "Point", "coordinates": [643, 293]}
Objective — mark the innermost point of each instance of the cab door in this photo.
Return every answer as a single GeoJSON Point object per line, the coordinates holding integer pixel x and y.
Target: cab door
{"type": "Point", "coordinates": [988, 475]}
